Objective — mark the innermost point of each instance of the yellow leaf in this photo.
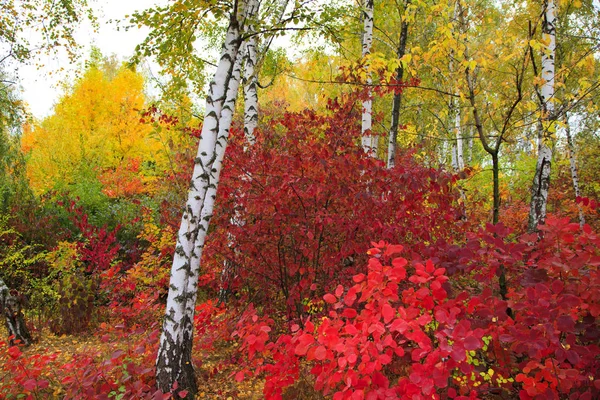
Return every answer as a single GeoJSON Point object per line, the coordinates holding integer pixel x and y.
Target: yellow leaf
{"type": "Point", "coordinates": [405, 60]}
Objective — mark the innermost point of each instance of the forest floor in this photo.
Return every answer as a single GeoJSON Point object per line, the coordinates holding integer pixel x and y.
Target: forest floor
{"type": "Point", "coordinates": [215, 375]}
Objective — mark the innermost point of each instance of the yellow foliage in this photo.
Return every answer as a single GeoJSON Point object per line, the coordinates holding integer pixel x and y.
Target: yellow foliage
{"type": "Point", "coordinates": [94, 125]}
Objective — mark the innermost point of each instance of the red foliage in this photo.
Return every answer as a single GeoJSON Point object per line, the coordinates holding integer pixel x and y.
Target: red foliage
{"type": "Point", "coordinates": [407, 329]}
{"type": "Point", "coordinates": [128, 372]}
{"type": "Point", "coordinates": [296, 211]}
{"type": "Point", "coordinates": [98, 247]}
{"type": "Point", "coordinates": [123, 181]}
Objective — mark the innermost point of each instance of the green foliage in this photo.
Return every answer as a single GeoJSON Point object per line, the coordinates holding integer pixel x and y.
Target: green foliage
{"type": "Point", "coordinates": [69, 299]}
{"type": "Point", "coordinates": [20, 263]}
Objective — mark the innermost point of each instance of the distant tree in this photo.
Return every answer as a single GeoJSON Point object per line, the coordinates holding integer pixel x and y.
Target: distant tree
{"type": "Point", "coordinates": [95, 129]}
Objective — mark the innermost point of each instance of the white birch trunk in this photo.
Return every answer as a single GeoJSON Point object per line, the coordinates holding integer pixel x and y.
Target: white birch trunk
{"type": "Point", "coordinates": [458, 160]}
{"type": "Point", "coordinates": [251, 79]}
{"type": "Point", "coordinates": [453, 160]}
{"type": "Point", "coordinates": [541, 181]}
{"type": "Point", "coordinates": [251, 61]}
{"type": "Point", "coordinates": [250, 91]}
{"type": "Point", "coordinates": [573, 165]}
{"type": "Point", "coordinates": [460, 157]}
{"type": "Point", "coordinates": [443, 155]}
{"type": "Point", "coordinates": [174, 363]}
{"type": "Point", "coordinates": [369, 141]}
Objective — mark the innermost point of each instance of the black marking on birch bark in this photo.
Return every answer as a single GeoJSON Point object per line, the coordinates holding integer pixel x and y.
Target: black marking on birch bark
{"type": "Point", "coordinates": [184, 266]}
{"type": "Point", "coordinates": [180, 251]}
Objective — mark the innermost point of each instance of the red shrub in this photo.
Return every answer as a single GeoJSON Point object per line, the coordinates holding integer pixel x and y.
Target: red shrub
{"type": "Point", "coordinates": [296, 210]}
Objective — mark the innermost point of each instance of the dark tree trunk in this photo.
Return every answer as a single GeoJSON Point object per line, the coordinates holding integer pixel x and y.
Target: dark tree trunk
{"type": "Point", "coordinates": [396, 104]}
{"type": "Point", "coordinates": [496, 178]}
{"type": "Point", "coordinates": [11, 304]}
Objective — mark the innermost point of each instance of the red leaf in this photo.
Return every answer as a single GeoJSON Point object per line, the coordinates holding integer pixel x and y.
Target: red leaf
{"type": "Point", "coordinates": [183, 393]}
{"type": "Point", "coordinates": [471, 343]}
{"type": "Point", "coordinates": [349, 313]}
{"type": "Point", "coordinates": [239, 376]}
{"type": "Point", "coordinates": [329, 298]}
{"type": "Point", "coordinates": [399, 262]}
{"type": "Point", "coordinates": [29, 385]}
{"type": "Point", "coordinates": [304, 342]}
{"type": "Point", "coordinates": [43, 384]}
{"type": "Point", "coordinates": [14, 352]}
{"type": "Point", "coordinates": [393, 249]}
{"type": "Point", "coordinates": [320, 353]}
{"type": "Point", "coordinates": [565, 323]}
{"type": "Point", "coordinates": [387, 312]}
{"type": "Point", "coordinates": [350, 297]}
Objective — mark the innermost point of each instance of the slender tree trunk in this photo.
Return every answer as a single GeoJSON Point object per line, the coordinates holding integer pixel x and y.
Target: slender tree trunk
{"type": "Point", "coordinates": [470, 142]}
{"type": "Point", "coordinates": [573, 164]}
{"type": "Point", "coordinates": [496, 178]}
{"type": "Point", "coordinates": [540, 187]}
{"type": "Point", "coordinates": [460, 156]}
{"type": "Point", "coordinates": [251, 79]}
{"type": "Point", "coordinates": [11, 307]}
{"type": "Point", "coordinates": [174, 361]}
{"type": "Point", "coordinates": [453, 160]}
{"type": "Point", "coordinates": [397, 101]}
{"type": "Point", "coordinates": [541, 180]}
{"type": "Point", "coordinates": [458, 160]}
{"type": "Point", "coordinates": [250, 91]}
{"type": "Point", "coordinates": [369, 141]}
{"type": "Point", "coordinates": [393, 136]}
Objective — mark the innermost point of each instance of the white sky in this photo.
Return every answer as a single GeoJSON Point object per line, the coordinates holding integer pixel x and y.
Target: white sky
{"type": "Point", "coordinates": [41, 88]}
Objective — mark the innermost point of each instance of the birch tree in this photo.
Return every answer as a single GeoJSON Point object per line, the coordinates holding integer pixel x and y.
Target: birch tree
{"type": "Point", "coordinates": [547, 122]}
{"type": "Point", "coordinates": [253, 55]}
{"type": "Point", "coordinates": [369, 141]}
{"type": "Point", "coordinates": [573, 167]}
{"type": "Point", "coordinates": [174, 361]}
{"type": "Point", "coordinates": [250, 91]}
{"type": "Point", "coordinates": [454, 112]}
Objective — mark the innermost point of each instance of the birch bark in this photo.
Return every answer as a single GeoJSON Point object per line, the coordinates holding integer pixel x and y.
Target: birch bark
{"type": "Point", "coordinates": [547, 124]}
{"type": "Point", "coordinates": [250, 91]}
{"type": "Point", "coordinates": [573, 165]}
{"type": "Point", "coordinates": [458, 161]}
{"type": "Point", "coordinates": [369, 141]}
{"type": "Point", "coordinates": [460, 156]}
{"type": "Point", "coordinates": [174, 362]}
{"type": "Point", "coordinates": [251, 63]}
